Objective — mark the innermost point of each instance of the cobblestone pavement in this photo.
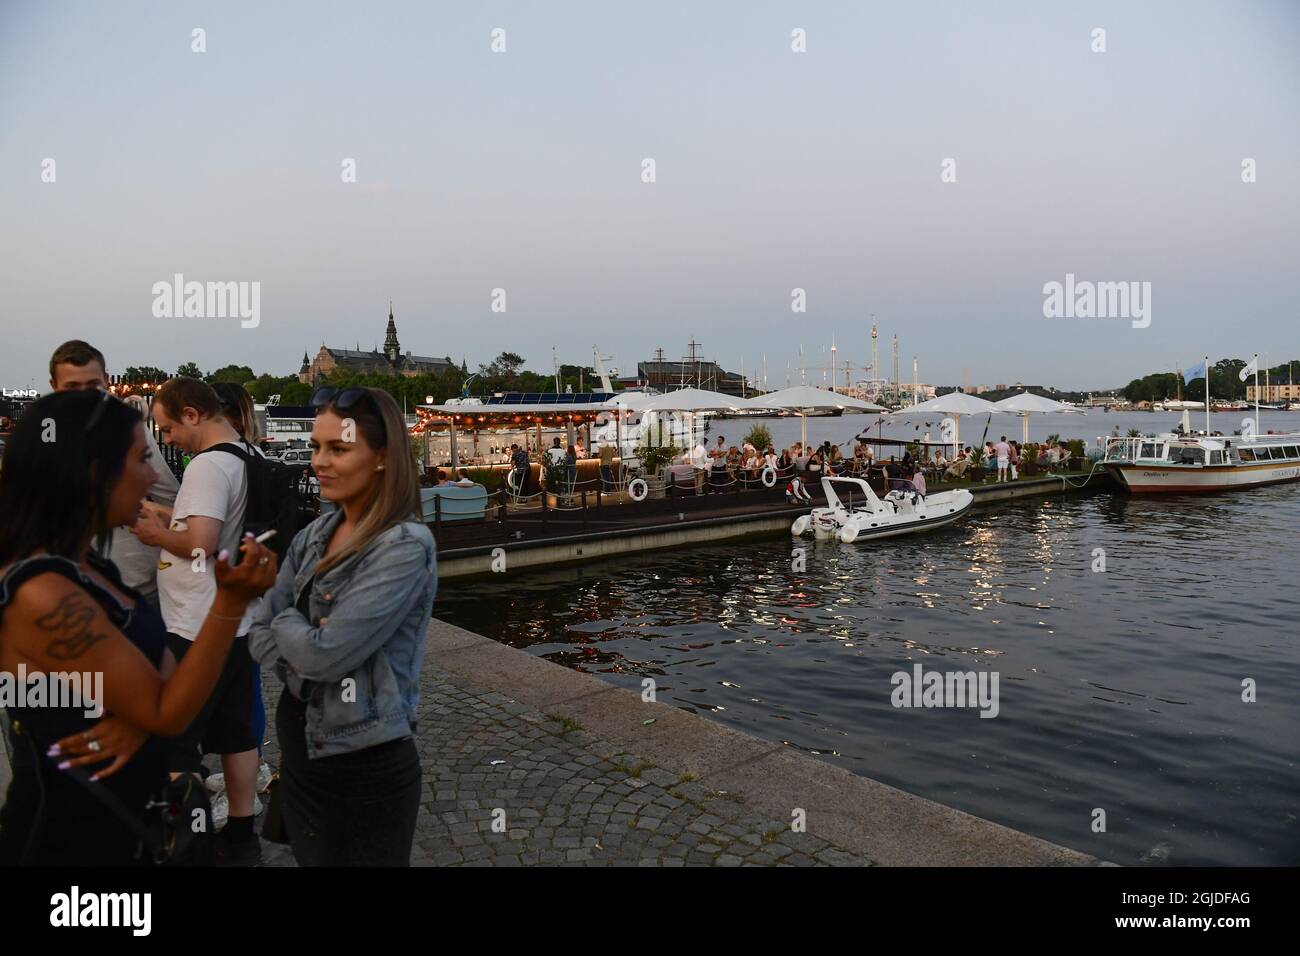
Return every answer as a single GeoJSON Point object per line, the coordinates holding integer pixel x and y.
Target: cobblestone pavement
{"type": "Point", "coordinates": [564, 796]}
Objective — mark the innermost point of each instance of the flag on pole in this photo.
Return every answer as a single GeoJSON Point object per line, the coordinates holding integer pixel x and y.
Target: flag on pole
{"type": "Point", "coordinates": [1193, 373]}
{"type": "Point", "coordinates": [1251, 368]}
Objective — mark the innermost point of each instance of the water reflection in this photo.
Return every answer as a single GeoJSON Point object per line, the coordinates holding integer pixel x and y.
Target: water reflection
{"type": "Point", "coordinates": [1119, 689]}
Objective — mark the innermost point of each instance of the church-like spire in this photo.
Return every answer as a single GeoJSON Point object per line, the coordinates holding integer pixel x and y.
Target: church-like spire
{"type": "Point", "coordinates": [392, 349]}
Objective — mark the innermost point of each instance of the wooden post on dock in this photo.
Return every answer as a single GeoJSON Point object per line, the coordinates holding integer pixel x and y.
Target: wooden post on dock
{"type": "Point", "coordinates": [437, 514]}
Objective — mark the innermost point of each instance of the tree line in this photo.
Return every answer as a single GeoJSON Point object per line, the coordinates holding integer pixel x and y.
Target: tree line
{"type": "Point", "coordinates": [1225, 382]}
{"type": "Point", "coordinates": [505, 373]}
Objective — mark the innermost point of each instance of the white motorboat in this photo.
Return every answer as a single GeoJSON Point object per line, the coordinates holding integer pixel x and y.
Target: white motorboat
{"type": "Point", "coordinates": [865, 515]}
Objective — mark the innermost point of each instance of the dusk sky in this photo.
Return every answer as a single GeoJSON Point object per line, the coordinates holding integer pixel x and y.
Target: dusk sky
{"type": "Point", "coordinates": [775, 170]}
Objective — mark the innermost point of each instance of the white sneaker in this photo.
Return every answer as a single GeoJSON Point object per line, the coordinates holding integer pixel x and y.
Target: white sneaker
{"type": "Point", "coordinates": [221, 809]}
{"type": "Point", "coordinates": [216, 782]}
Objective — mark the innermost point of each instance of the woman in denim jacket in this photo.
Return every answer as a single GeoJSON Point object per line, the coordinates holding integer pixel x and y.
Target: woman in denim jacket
{"type": "Point", "coordinates": [344, 628]}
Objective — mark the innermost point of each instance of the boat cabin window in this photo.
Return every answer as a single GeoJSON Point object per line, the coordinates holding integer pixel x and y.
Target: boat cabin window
{"type": "Point", "coordinates": [1292, 451]}
{"type": "Point", "coordinates": [1246, 454]}
{"type": "Point", "coordinates": [1190, 456]}
{"type": "Point", "coordinates": [1149, 450]}
{"type": "Point", "coordinates": [1216, 458]}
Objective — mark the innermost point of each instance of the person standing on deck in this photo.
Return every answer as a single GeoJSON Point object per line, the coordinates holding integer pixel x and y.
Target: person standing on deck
{"type": "Point", "coordinates": [607, 466]}
{"type": "Point", "coordinates": [1003, 452]}
{"type": "Point", "coordinates": [519, 462]}
{"type": "Point", "coordinates": [719, 455]}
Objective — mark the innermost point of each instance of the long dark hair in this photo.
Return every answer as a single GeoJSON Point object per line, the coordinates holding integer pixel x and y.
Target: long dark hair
{"type": "Point", "coordinates": [57, 477]}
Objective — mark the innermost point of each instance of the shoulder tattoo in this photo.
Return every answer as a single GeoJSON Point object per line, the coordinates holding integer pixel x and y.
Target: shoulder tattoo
{"type": "Point", "coordinates": [72, 627]}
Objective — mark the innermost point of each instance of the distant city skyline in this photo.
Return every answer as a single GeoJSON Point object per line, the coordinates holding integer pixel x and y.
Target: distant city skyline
{"type": "Point", "coordinates": [937, 167]}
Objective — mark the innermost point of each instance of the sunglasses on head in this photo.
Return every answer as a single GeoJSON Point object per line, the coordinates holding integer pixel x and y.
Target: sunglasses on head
{"type": "Point", "coordinates": [100, 406]}
{"type": "Point", "coordinates": [342, 399]}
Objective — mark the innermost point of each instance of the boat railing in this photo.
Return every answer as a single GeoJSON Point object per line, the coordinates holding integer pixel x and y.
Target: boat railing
{"type": "Point", "coordinates": [1125, 449]}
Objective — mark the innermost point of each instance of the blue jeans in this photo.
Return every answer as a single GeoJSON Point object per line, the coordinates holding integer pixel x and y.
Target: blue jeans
{"type": "Point", "coordinates": [607, 477]}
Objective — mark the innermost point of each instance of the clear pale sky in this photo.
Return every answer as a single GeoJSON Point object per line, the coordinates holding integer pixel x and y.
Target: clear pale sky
{"type": "Point", "coordinates": [775, 170]}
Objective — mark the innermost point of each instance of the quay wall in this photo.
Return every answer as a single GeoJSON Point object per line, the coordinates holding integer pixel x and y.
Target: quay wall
{"type": "Point", "coordinates": [883, 823]}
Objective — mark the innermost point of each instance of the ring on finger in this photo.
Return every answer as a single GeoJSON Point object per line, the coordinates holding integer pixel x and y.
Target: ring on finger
{"type": "Point", "coordinates": [94, 745]}
{"type": "Point", "coordinates": [263, 560]}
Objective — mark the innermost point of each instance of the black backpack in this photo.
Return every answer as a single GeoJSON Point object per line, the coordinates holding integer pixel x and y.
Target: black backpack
{"type": "Point", "coordinates": [272, 496]}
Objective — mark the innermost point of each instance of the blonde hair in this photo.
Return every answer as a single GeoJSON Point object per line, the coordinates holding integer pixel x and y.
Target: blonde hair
{"type": "Point", "coordinates": [395, 491]}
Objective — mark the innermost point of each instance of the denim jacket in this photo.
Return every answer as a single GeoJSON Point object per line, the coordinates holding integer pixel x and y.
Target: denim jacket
{"type": "Point", "coordinates": [359, 674]}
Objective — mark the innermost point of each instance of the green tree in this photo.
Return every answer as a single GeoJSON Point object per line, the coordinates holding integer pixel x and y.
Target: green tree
{"type": "Point", "coordinates": [239, 374]}
{"type": "Point", "coordinates": [189, 370]}
{"type": "Point", "coordinates": [138, 375]}
{"type": "Point", "coordinates": [295, 393]}
{"type": "Point", "coordinates": [264, 386]}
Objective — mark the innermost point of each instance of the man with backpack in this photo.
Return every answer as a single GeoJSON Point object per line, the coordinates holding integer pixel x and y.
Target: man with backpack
{"type": "Point", "coordinates": [209, 516]}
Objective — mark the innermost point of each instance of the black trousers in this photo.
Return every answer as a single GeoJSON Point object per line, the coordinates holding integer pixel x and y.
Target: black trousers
{"type": "Point", "coordinates": [352, 809]}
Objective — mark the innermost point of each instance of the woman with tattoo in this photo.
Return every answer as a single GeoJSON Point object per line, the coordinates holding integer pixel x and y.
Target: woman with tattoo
{"type": "Point", "coordinates": [344, 627]}
{"type": "Point", "coordinates": [76, 467]}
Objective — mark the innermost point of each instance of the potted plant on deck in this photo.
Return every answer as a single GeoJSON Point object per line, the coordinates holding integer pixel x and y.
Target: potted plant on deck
{"type": "Point", "coordinates": [1077, 460]}
{"type": "Point", "coordinates": [556, 477]}
{"type": "Point", "coordinates": [654, 458]}
{"type": "Point", "coordinates": [1028, 460]}
{"type": "Point", "coordinates": [976, 464]}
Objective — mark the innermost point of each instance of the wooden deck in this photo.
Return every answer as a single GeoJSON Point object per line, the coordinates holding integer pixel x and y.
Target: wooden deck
{"type": "Point", "coordinates": [593, 514]}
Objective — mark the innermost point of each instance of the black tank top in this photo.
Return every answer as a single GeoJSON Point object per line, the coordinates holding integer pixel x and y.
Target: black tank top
{"type": "Point", "coordinates": [50, 818]}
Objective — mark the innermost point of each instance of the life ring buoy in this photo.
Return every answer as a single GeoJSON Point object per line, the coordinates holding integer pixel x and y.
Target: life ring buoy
{"type": "Point", "coordinates": [769, 477]}
{"type": "Point", "coordinates": [637, 489]}
{"type": "Point", "coordinates": [510, 480]}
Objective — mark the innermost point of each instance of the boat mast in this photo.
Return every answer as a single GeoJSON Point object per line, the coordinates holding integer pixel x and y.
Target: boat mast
{"type": "Point", "coordinates": [1207, 395]}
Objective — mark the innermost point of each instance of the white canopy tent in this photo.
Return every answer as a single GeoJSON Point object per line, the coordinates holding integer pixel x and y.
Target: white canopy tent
{"type": "Point", "coordinates": [953, 405]}
{"type": "Point", "coordinates": [691, 400]}
{"type": "Point", "coordinates": [1027, 403]}
{"type": "Point", "coordinates": [807, 398]}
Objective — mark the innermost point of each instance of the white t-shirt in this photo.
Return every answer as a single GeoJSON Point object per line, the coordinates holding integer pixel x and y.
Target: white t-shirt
{"type": "Point", "coordinates": [700, 456]}
{"type": "Point", "coordinates": [556, 454]}
{"type": "Point", "coordinates": [214, 485]}
{"type": "Point", "coordinates": [1002, 449]}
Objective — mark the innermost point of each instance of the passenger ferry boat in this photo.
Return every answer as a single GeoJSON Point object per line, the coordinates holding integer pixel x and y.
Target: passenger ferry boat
{"type": "Point", "coordinates": [1189, 463]}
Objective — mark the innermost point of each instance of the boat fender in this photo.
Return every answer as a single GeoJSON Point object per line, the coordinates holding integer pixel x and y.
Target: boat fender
{"type": "Point", "coordinates": [637, 489]}
{"type": "Point", "coordinates": [800, 525]}
{"type": "Point", "coordinates": [769, 477]}
{"type": "Point", "coordinates": [849, 533]}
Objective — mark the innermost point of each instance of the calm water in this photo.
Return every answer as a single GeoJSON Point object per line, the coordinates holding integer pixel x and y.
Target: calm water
{"type": "Point", "coordinates": [1120, 689]}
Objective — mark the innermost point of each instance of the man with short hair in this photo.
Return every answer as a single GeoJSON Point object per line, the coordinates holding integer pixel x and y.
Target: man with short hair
{"type": "Point", "coordinates": [207, 518]}
{"type": "Point", "coordinates": [1003, 452]}
{"type": "Point", "coordinates": [79, 365]}
{"type": "Point", "coordinates": [719, 455]}
{"type": "Point", "coordinates": [555, 453]}
{"type": "Point", "coordinates": [519, 462]}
